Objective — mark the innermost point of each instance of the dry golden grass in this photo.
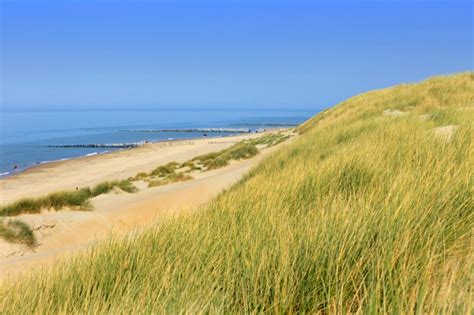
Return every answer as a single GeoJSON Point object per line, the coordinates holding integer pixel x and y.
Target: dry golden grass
{"type": "Point", "coordinates": [363, 213]}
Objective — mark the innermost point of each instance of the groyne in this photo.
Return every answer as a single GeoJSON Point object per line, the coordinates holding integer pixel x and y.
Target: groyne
{"type": "Point", "coordinates": [235, 130]}
{"type": "Point", "coordinates": [267, 124]}
{"type": "Point", "coordinates": [104, 145]}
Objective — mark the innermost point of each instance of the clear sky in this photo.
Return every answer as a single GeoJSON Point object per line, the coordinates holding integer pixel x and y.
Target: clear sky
{"type": "Point", "coordinates": [223, 54]}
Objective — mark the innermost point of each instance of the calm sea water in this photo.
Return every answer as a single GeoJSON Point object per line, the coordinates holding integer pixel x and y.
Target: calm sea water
{"type": "Point", "coordinates": [25, 136]}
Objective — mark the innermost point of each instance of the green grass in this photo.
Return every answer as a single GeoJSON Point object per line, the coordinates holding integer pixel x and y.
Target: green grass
{"type": "Point", "coordinates": [162, 175]}
{"type": "Point", "coordinates": [54, 201]}
{"type": "Point", "coordinates": [165, 170]}
{"type": "Point", "coordinates": [77, 199]}
{"type": "Point", "coordinates": [16, 231]}
{"type": "Point", "coordinates": [74, 199]}
{"type": "Point", "coordinates": [173, 178]}
{"type": "Point", "coordinates": [238, 151]}
{"type": "Point", "coordinates": [362, 213]}
{"type": "Point", "coordinates": [244, 149]}
{"type": "Point", "coordinates": [191, 166]}
{"type": "Point", "coordinates": [269, 139]}
{"type": "Point", "coordinates": [139, 176]}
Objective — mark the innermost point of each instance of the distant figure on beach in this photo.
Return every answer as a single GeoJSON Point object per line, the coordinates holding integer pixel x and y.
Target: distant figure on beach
{"type": "Point", "coordinates": [204, 134]}
{"type": "Point", "coordinates": [15, 167]}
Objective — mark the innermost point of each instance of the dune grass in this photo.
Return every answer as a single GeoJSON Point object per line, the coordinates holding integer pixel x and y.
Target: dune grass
{"type": "Point", "coordinates": [18, 232]}
{"type": "Point", "coordinates": [178, 172]}
{"type": "Point", "coordinates": [172, 178]}
{"type": "Point", "coordinates": [162, 175]}
{"type": "Point", "coordinates": [215, 160]}
{"type": "Point", "coordinates": [167, 174]}
{"type": "Point", "coordinates": [363, 213]}
{"type": "Point", "coordinates": [269, 139]}
{"type": "Point", "coordinates": [191, 166]}
{"type": "Point", "coordinates": [242, 150]}
{"type": "Point", "coordinates": [77, 199]}
{"type": "Point", "coordinates": [165, 170]}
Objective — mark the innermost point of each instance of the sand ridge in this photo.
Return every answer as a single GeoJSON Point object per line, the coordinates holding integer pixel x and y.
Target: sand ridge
{"type": "Point", "coordinates": [65, 232]}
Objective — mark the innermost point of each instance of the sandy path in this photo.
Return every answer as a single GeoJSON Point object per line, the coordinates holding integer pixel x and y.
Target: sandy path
{"type": "Point", "coordinates": [88, 171]}
{"type": "Point", "coordinates": [64, 232]}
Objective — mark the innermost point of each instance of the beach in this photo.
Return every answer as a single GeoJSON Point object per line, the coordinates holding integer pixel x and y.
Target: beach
{"type": "Point", "coordinates": [90, 170]}
{"type": "Point", "coordinates": [63, 232]}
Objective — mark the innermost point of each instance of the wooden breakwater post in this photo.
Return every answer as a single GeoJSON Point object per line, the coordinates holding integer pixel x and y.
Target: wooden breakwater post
{"type": "Point", "coordinates": [99, 145]}
{"type": "Point", "coordinates": [236, 130]}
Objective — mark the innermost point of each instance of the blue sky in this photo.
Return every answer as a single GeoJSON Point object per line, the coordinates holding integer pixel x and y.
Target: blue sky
{"type": "Point", "coordinates": [223, 54]}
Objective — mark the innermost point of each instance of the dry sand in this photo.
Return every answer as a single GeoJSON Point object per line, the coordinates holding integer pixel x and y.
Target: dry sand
{"type": "Point", "coordinates": [91, 170]}
{"type": "Point", "coordinates": [64, 232]}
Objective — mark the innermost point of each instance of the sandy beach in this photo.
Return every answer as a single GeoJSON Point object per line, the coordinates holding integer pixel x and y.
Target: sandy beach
{"type": "Point", "coordinates": [90, 170]}
{"type": "Point", "coordinates": [63, 232]}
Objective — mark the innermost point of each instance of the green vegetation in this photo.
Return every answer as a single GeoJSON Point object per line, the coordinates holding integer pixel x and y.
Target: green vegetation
{"type": "Point", "coordinates": [242, 150]}
{"type": "Point", "coordinates": [173, 178]}
{"type": "Point", "coordinates": [245, 149]}
{"type": "Point", "coordinates": [74, 199]}
{"type": "Point", "coordinates": [269, 139]}
{"type": "Point", "coordinates": [165, 174]}
{"type": "Point", "coordinates": [191, 166]}
{"type": "Point", "coordinates": [139, 176]}
{"type": "Point", "coordinates": [162, 175]}
{"type": "Point", "coordinates": [362, 213]}
{"type": "Point", "coordinates": [165, 170]}
{"type": "Point", "coordinates": [238, 151]}
{"type": "Point", "coordinates": [15, 231]}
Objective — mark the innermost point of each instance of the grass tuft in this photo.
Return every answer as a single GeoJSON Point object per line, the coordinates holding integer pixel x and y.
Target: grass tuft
{"type": "Point", "coordinates": [164, 170]}
{"type": "Point", "coordinates": [173, 178]}
{"type": "Point", "coordinates": [215, 160]}
{"type": "Point", "coordinates": [16, 231]}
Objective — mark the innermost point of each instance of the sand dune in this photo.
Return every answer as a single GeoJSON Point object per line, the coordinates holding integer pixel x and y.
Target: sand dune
{"type": "Point", "coordinates": [64, 232]}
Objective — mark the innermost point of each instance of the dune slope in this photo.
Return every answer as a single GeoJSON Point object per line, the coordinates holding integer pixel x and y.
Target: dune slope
{"type": "Point", "coordinates": [369, 210]}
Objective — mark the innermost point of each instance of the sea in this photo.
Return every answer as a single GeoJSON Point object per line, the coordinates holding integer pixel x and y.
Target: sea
{"type": "Point", "coordinates": [29, 138]}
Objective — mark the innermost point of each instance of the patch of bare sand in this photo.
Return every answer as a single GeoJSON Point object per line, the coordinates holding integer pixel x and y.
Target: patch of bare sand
{"type": "Point", "coordinates": [445, 132]}
{"type": "Point", "coordinates": [394, 112]}
{"type": "Point", "coordinates": [62, 233]}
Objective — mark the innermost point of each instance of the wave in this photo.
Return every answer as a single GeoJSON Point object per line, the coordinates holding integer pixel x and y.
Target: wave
{"type": "Point", "coordinates": [4, 174]}
{"type": "Point", "coordinates": [91, 154]}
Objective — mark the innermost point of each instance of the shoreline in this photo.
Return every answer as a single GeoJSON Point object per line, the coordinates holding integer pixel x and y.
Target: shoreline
{"type": "Point", "coordinates": [113, 165]}
{"type": "Point", "coordinates": [9, 174]}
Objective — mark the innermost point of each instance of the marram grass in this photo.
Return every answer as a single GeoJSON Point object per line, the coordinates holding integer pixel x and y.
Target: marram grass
{"type": "Point", "coordinates": [16, 231]}
{"type": "Point", "coordinates": [10, 230]}
{"type": "Point", "coordinates": [58, 200]}
{"type": "Point", "coordinates": [363, 213]}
